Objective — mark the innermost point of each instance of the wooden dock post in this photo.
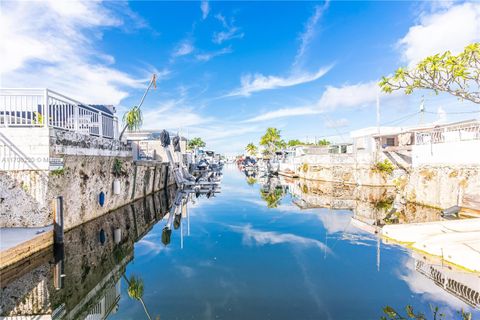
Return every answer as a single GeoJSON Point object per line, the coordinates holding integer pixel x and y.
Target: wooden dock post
{"type": "Point", "coordinates": [58, 247]}
{"type": "Point", "coordinates": [165, 182]}
{"type": "Point", "coordinates": [58, 224]}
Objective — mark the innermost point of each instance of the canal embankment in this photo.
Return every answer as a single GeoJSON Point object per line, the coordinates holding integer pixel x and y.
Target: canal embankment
{"type": "Point", "coordinates": [429, 165]}
{"type": "Point", "coordinates": [93, 175]}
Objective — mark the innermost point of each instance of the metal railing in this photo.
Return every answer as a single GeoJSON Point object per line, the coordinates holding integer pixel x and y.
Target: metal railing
{"type": "Point", "coordinates": [449, 133]}
{"type": "Point", "coordinates": [43, 107]}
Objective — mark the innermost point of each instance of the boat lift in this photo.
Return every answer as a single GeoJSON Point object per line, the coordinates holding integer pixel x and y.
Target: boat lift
{"type": "Point", "coordinates": [183, 179]}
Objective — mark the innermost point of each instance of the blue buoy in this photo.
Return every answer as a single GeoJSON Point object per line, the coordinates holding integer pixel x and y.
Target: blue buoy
{"type": "Point", "coordinates": [101, 199]}
{"type": "Point", "coordinates": [102, 237]}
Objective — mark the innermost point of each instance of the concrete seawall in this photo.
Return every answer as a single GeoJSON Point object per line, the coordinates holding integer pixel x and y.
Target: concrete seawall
{"type": "Point", "coordinates": [437, 186]}
{"type": "Point", "coordinates": [87, 175]}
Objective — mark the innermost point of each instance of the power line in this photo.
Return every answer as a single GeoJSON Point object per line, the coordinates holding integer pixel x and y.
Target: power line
{"type": "Point", "coordinates": [401, 119]}
{"type": "Point", "coordinates": [459, 112]}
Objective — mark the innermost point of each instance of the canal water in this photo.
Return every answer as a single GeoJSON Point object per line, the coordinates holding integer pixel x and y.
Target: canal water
{"type": "Point", "coordinates": [252, 254]}
{"type": "Point", "coordinates": [263, 248]}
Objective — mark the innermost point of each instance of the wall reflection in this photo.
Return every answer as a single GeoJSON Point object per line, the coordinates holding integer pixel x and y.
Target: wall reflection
{"type": "Point", "coordinates": [371, 208]}
{"type": "Point", "coordinates": [82, 278]}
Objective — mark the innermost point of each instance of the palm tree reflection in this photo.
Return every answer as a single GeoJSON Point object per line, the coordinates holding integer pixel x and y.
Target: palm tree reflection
{"type": "Point", "coordinates": [135, 291]}
{"type": "Point", "coordinates": [272, 192]}
{"type": "Point", "coordinates": [251, 180]}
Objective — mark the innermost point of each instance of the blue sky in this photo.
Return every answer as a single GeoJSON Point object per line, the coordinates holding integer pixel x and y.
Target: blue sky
{"type": "Point", "coordinates": [228, 70]}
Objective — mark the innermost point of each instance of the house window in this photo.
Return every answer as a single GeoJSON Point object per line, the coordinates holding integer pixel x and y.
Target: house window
{"type": "Point", "coordinates": [390, 142]}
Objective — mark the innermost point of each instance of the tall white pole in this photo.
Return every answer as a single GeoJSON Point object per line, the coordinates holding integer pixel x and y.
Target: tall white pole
{"type": "Point", "coordinates": [422, 110]}
{"type": "Point", "coordinates": [378, 111]}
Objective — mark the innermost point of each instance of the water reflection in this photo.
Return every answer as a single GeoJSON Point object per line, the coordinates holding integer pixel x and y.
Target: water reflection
{"type": "Point", "coordinates": [371, 207]}
{"type": "Point", "coordinates": [82, 278]}
{"type": "Point", "coordinates": [463, 285]}
{"type": "Point", "coordinates": [272, 191]}
{"type": "Point", "coordinates": [311, 255]}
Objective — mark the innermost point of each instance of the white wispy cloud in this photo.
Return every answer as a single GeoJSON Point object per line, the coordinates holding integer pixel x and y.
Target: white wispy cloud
{"type": "Point", "coordinates": [251, 83]}
{"type": "Point", "coordinates": [258, 82]}
{"type": "Point", "coordinates": [261, 238]}
{"type": "Point", "coordinates": [179, 116]}
{"type": "Point", "coordinates": [207, 56]}
{"type": "Point", "coordinates": [337, 123]}
{"type": "Point", "coordinates": [442, 115]}
{"type": "Point", "coordinates": [308, 34]}
{"type": "Point", "coordinates": [347, 96]}
{"type": "Point", "coordinates": [230, 32]}
{"type": "Point", "coordinates": [356, 95]}
{"type": "Point", "coordinates": [284, 112]}
{"type": "Point", "coordinates": [447, 28]}
{"type": "Point", "coordinates": [184, 48]}
{"type": "Point", "coordinates": [54, 46]}
{"type": "Point", "coordinates": [205, 7]}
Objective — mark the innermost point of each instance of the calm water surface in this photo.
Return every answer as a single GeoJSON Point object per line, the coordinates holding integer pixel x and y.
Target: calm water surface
{"type": "Point", "coordinates": [239, 259]}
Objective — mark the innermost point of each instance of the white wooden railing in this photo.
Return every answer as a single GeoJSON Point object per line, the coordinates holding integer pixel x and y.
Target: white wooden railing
{"type": "Point", "coordinates": [449, 133]}
{"type": "Point", "coordinates": [43, 107]}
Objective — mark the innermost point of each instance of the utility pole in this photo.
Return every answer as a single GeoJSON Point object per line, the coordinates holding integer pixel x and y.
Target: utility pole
{"type": "Point", "coordinates": [378, 111]}
{"type": "Point", "coordinates": [422, 110]}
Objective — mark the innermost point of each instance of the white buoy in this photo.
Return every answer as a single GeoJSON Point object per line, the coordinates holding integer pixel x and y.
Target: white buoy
{"type": "Point", "coordinates": [116, 186]}
{"type": "Point", "coordinates": [117, 235]}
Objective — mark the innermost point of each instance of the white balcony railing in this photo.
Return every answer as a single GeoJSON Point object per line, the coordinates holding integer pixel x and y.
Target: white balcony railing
{"type": "Point", "coordinates": [449, 133]}
{"type": "Point", "coordinates": [43, 107]}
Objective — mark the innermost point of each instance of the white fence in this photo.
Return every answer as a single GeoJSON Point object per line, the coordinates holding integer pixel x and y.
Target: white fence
{"type": "Point", "coordinates": [335, 159]}
{"type": "Point", "coordinates": [43, 107]}
{"type": "Point", "coordinates": [450, 133]}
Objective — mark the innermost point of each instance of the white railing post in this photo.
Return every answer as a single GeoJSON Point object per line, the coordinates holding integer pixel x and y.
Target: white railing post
{"type": "Point", "coordinates": [76, 115]}
{"type": "Point", "coordinates": [100, 124]}
{"type": "Point", "coordinates": [46, 112]}
{"type": "Point", "coordinates": [6, 119]}
{"type": "Point", "coordinates": [115, 127]}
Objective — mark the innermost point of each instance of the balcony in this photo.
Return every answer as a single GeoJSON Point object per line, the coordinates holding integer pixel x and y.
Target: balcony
{"type": "Point", "coordinates": [46, 108]}
{"type": "Point", "coordinates": [464, 131]}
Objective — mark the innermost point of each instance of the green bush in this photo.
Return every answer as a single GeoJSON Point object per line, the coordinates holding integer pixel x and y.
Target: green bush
{"type": "Point", "coordinates": [117, 167]}
{"type": "Point", "coordinates": [57, 172]}
{"type": "Point", "coordinates": [383, 167]}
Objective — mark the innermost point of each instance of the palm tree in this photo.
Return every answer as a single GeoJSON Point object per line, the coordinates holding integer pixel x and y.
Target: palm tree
{"type": "Point", "coordinates": [251, 149]}
{"type": "Point", "coordinates": [196, 143]}
{"type": "Point", "coordinates": [271, 140]}
{"type": "Point", "coordinates": [133, 118]}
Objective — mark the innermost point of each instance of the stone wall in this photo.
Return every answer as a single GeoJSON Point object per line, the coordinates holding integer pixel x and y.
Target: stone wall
{"type": "Point", "coordinates": [24, 148]}
{"type": "Point", "coordinates": [440, 186]}
{"type": "Point", "coordinates": [26, 196]}
{"type": "Point", "coordinates": [345, 173]}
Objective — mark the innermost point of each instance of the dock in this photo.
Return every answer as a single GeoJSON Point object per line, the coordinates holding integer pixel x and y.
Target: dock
{"type": "Point", "coordinates": [454, 241]}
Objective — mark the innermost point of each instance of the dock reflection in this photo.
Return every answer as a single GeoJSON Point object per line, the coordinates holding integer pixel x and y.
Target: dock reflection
{"type": "Point", "coordinates": [82, 279]}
